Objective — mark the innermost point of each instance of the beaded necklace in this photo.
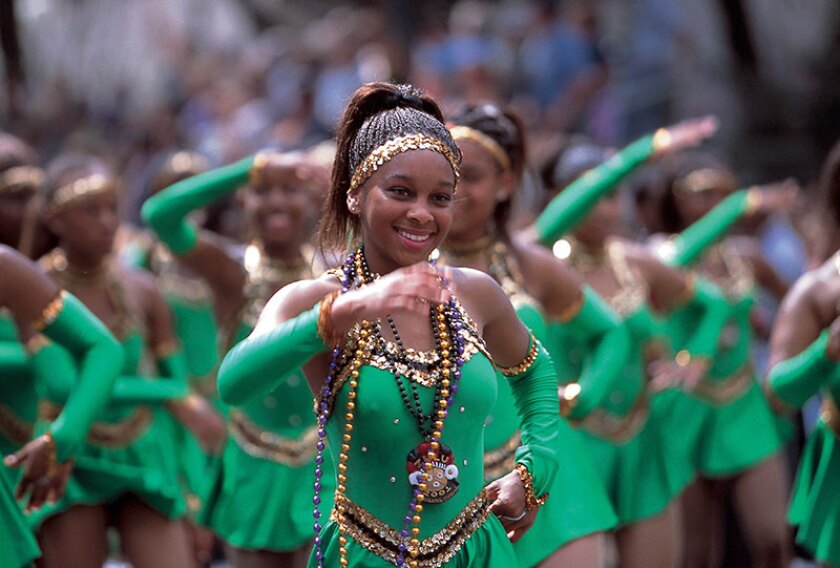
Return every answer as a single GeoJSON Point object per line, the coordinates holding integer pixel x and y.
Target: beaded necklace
{"type": "Point", "coordinates": [447, 323]}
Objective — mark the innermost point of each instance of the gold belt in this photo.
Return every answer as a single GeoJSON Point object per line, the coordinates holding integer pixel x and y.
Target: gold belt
{"type": "Point", "coordinates": [501, 460]}
{"type": "Point", "coordinates": [830, 415]}
{"type": "Point", "coordinates": [13, 427]}
{"type": "Point", "coordinates": [384, 541]}
{"type": "Point", "coordinates": [615, 428]}
{"type": "Point", "coordinates": [267, 445]}
{"type": "Point", "coordinates": [107, 434]}
{"type": "Point", "coordinates": [727, 390]}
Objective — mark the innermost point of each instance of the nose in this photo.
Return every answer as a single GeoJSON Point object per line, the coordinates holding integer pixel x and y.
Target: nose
{"type": "Point", "coordinates": [420, 214]}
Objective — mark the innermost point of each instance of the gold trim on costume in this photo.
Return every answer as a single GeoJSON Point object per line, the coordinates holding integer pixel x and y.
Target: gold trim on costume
{"type": "Point", "coordinates": [50, 312]}
{"type": "Point", "coordinates": [501, 157]}
{"type": "Point", "coordinates": [830, 415]}
{"type": "Point", "coordinates": [95, 184]}
{"type": "Point", "coordinates": [525, 364]}
{"type": "Point", "coordinates": [383, 540]}
{"type": "Point", "coordinates": [391, 148]}
{"type": "Point", "coordinates": [21, 177]}
{"type": "Point", "coordinates": [265, 444]}
{"type": "Point", "coordinates": [738, 279]}
{"type": "Point", "coordinates": [13, 427]}
{"type": "Point", "coordinates": [776, 402]}
{"type": "Point", "coordinates": [615, 428]}
{"type": "Point", "coordinates": [572, 310]}
{"type": "Point", "coordinates": [721, 392]}
{"type": "Point", "coordinates": [502, 460]}
{"type": "Point", "coordinates": [110, 435]}
{"type": "Point", "coordinates": [706, 178]}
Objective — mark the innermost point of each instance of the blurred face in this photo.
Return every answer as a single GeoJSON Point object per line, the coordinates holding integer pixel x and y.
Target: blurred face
{"type": "Point", "coordinates": [692, 205]}
{"type": "Point", "coordinates": [603, 221]}
{"type": "Point", "coordinates": [86, 228]}
{"type": "Point", "coordinates": [12, 211]}
{"type": "Point", "coordinates": [481, 187]}
{"type": "Point", "coordinates": [279, 212]}
{"type": "Point", "coordinates": [405, 208]}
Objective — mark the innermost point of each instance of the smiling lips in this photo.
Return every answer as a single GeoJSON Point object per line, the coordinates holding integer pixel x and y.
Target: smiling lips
{"type": "Point", "coordinates": [414, 239]}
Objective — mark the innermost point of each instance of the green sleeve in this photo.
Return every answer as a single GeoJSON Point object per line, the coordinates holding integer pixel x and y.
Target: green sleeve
{"type": "Point", "coordinates": [166, 213]}
{"type": "Point", "coordinates": [695, 239]}
{"type": "Point", "coordinates": [577, 200]}
{"type": "Point", "coordinates": [13, 359]}
{"type": "Point", "coordinates": [99, 359]}
{"type": "Point", "coordinates": [256, 365]}
{"type": "Point", "coordinates": [170, 385]}
{"type": "Point", "coordinates": [797, 379]}
{"type": "Point", "coordinates": [535, 396]}
{"type": "Point", "coordinates": [715, 310]}
{"type": "Point", "coordinates": [609, 342]}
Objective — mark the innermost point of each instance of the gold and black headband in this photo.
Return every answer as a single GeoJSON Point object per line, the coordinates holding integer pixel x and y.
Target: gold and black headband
{"type": "Point", "coordinates": [85, 187]}
{"type": "Point", "coordinates": [21, 177]}
{"type": "Point", "coordinates": [391, 148]}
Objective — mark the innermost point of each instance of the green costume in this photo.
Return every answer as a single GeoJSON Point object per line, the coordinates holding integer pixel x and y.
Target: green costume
{"type": "Point", "coordinates": [18, 401]}
{"type": "Point", "coordinates": [578, 505]}
{"type": "Point", "coordinates": [130, 448]}
{"type": "Point", "coordinates": [458, 530]}
{"type": "Point", "coordinates": [270, 451]}
{"type": "Point", "coordinates": [620, 421]}
{"type": "Point", "coordinates": [731, 427]}
{"type": "Point", "coordinates": [98, 356]}
{"type": "Point", "coordinates": [815, 507]}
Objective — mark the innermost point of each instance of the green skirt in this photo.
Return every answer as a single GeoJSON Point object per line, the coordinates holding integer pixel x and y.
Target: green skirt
{"type": "Point", "coordinates": [634, 472]}
{"type": "Point", "coordinates": [259, 504]}
{"type": "Point", "coordinates": [577, 504]}
{"type": "Point", "coordinates": [487, 547]}
{"type": "Point", "coordinates": [147, 468]}
{"type": "Point", "coordinates": [815, 508]}
{"type": "Point", "coordinates": [723, 440]}
{"type": "Point", "coordinates": [17, 544]}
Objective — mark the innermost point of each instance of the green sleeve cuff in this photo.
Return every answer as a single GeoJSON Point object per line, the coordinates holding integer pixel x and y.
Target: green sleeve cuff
{"type": "Point", "coordinates": [603, 370]}
{"type": "Point", "coordinates": [573, 204]}
{"type": "Point", "coordinates": [535, 395]}
{"type": "Point", "coordinates": [166, 213]}
{"type": "Point", "coordinates": [147, 390]}
{"type": "Point", "coordinates": [797, 379]}
{"type": "Point", "coordinates": [594, 317]}
{"type": "Point", "coordinates": [99, 358]}
{"type": "Point", "coordinates": [695, 239]}
{"type": "Point", "coordinates": [256, 365]}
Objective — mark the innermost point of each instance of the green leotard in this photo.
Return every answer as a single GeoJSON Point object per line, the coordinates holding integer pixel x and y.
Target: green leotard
{"type": "Point", "coordinates": [18, 401]}
{"type": "Point", "coordinates": [815, 506]}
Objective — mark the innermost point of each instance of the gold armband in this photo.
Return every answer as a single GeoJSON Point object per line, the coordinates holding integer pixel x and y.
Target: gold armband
{"type": "Point", "coordinates": [755, 199]}
{"type": "Point", "coordinates": [35, 343]}
{"type": "Point", "coordinates": [526, 363]}
{"type": "Point", "coordinates": [661, 140]}
{"type": "Point", "coordinates": [573, 309]}
{"type": "Point", "coordinates": [50, 312]}
{"type": "Point", "coordinates": [256, 175]}
{"type": "Point", "coordinates": [569, 399]}
{"type": "Point", "coordinates": [325, 324]}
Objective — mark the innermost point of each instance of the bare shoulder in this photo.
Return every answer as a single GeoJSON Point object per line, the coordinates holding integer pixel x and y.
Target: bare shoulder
{"type": "Point", "coordinates": [817, 290]}
{"type": "Point", "coordinates": [479, 293]}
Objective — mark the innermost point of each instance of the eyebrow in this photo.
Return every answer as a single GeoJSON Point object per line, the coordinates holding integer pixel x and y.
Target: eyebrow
{"type": "Point", "coordinates": [404, 177]}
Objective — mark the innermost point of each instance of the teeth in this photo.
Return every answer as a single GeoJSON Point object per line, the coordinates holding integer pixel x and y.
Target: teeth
{"type": "Point", "coordinates": [415, 238]}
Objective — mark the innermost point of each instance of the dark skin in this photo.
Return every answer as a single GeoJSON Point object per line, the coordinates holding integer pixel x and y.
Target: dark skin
{"type": "Point", "coordinates": [86, 230]}
{"type": "Point", "coordinates": [26, 295]}
{"type": "Point", "coordinates": [411, 197]}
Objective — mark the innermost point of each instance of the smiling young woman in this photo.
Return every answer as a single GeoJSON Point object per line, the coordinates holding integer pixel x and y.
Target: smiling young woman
{"type": "Point", "coordinates": [400, 356]}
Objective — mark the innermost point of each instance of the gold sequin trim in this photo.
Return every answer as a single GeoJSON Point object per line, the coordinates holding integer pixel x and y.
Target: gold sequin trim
{"type": "Point", "coordinates": [722, 392]}
{"type": "Point", "coordinates": [736, 279]}
{"type": "Point", "coordinates": [570, 311]}
{"type": "Point", "coordinates": [265, 444]}
{"type": "Point", "coordinates": [391, 148]}
{"type": "Point", "coordinates": [502, 460]}
{"type": "Point", "coordinates": [95, 184]}
{"type": "Point", "coordinates": [778, 405]}
{"type": "Point", "coordinates": [21, 177]}
{"type": "Point", "coordinates": [50, 312]}
{"type": "Point", "coordinates": [526, 363]}
{"type": "Point", "coordinates": [110, 435]}
{"type": "Point", "coordinates": [35, 343]}
{"type": "Point", "coordinates": [434, 551]}
{"type": "Point", "coordinates": [14, 428]}
{"type": "Point", "coordinates": [615, 428]}
{"type": "Point", "coordinates": [830, 415]}
{"type": "Point", "coordinates": [486, 142]}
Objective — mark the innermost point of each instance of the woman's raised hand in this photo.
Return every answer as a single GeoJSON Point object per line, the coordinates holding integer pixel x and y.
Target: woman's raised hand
{"type": "Point", "coordinates": [686, 134]}
{"type": "Point", "coordinates": [411, 289]}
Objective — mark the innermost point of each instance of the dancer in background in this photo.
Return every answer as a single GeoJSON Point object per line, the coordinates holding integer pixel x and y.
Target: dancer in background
{"type": "Point", "coordinates": [271, 449]}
